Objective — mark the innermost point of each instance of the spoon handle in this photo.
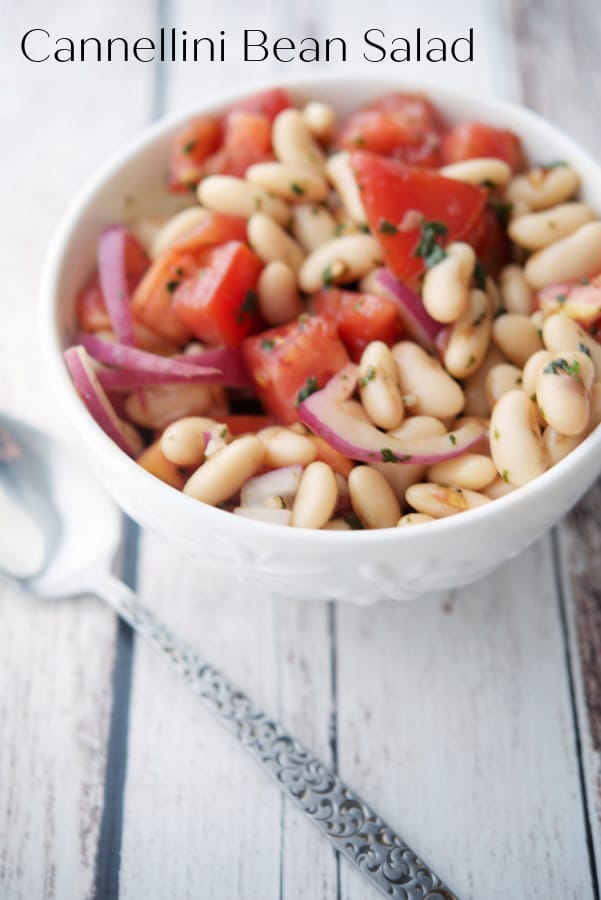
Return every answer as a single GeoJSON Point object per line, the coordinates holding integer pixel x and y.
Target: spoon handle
{"type": "Point", "coordinates": [354, 829]}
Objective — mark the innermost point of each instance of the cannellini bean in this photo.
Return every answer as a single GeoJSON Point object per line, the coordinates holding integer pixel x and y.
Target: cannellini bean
{"type": "Point", "coordinates": [537, 230]}
{"type": "Point", "coordinates": [486, 169]}
{"type": "Point", "coordinates": [295, 184]}
{"type": "Point", "coordinates": [177, 227]}
{"type": "Point", "coordinates": [320, 118]}
{"type": "Point", "coordinates": [483, 445]}
{"type": "Point", "coordinates": [469, 337]}
{"type": "Point", "coordinates": [223, 475]}
{"type": "Point", "coordinates": [279, 300]}
{"type": "Point", "coordinates": [379, 386]}
{"type": "Point", "coordinates": [560, 333]}
{"type": "Point", "coordinates": [515, 439]}
{"type": "Point", "coordinates": [185, 440]}
{"type": "Point", "coordinates": [517, 337]}
{"type": "Point", "coordinates": [312, 225]}
{"type": "Point", "coordinates": [516, 293]}
{"type": "Point", "coordinates": [399, 477]}
{"type": "Point", "coordinates": [146, 230]}
{"type": "Point", "coordinates": [340, 174]}
{"type": "Point", "coordinates": [337, 525]}
{"type": "Point", "coordinates": [431, 390]}
{"type": "Point", "coordinates": [339, 261]}
{"type": "Point", "coordinates": [474, 387]}
{"type": "Point", "coordinates": [563, 392]}
{"type": "Point", "coordinates": [541, 188]}
{"type": "Point", "coordinates": [286, 448]}
{"type": "Point", "coordinates": [498, 488]}
{"type": "Point", "coordinates": [373, 500]}
{"type": "Point", "coordinates": [573, 257]}
{"type": "Point", "coordinates": [470, 470]}
{"type": "Point", "coordinates": [237, 197]}
{"type": "Point", "coordinates": [271, 243]}
{"type": "Point", "coordinates": [557, 446]}
{"type": "Point", "coordinates": [531, 371]}
{"type": "Point", "coordinates": [445, 292]}
{"type": "Point", "coordinates": [595, 417]}
{"type": "Point", "coordinates": [370, 283]}
{"type": "Point", "coordinates": [153, 407]}
{"type": "Point", "coordinates": [293, 143]}
{"type": "Point", "coordinates": [501, 379]}
{"type": "Point", "coordinates": [439, 501]}
{"type": "Point", "coordinates": [315, 498]}
{"type": "Point", "coordinates": [494, 296]}
{"type": "Point", "coordinates": [414, 519]}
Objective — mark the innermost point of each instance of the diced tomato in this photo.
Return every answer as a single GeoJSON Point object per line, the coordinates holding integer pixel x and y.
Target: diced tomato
{"type": "Point", "coordinates": [336, 460]}
{"type": "Point", "coordinates": [217, 228]}
{"type": "Point", "coordinates": [490, 241]}
{"type": "Point", "coordinates": [471, 140]}
{"type": "Point", "coordinates": [400, 199]}
{"type": "Point", "coordinates": [245, 423]}
{"type": "Point", "coordinates": [218, 302]}
{"type": "Point", "coordinates": [154, 461]}
{"type": "Point", "coordinates": [360, 318]}
{"type": "Point", "coordinates": [152, 303]}
{"type": "Point", "coordinates": [580, 300]}
{"type": "Point", "coordinates": [267, 103]}
{"type": "Point", "coordinates": [405, 126]}
{"type": "Point", "coordinates": [247, 141]}
{"type": "Point", "coordinates": [300, 356]}
{"type": "Point", "coordinates": [190, 149]}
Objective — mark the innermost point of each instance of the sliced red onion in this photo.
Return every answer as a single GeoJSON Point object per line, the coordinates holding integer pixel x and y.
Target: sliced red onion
{"type": "Point", "coordinates": [276, 483]}
{"type": "Point", "coordinates": [227, 359]}
{"type": "Point", "coordinates": [91, 392]}
{"type": "Point", "coordinates": [262, 514]}
{"type": "Point", "coordinates": [112, 273]}
{"type": "Point", "coordinates": [127, 380]}
{"type": "Point", "coordinates": [135, 360]}
{"type": "Point", "coordinates": [323, 412]}
{"type": "Point", "coordinates": [421, 326]}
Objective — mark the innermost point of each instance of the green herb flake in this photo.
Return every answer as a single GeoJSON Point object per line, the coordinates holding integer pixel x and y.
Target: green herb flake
{"type": "Point", "coordinates": [500, 311]}
{"type": "Point", "coordinates": [267, 344]}
{"type": "Point", "coordinates": [363, 228]}
{"type": "Point", "coordinates": [453, 439]}
{"type": "Point", "coordinates": [310, 387]}
{"type": "Point", "coordinates": [505, 475]}
{"type": "Point", "coordinates": [258, 204]}
{"type": "Point", "coordinates": [487, 183]}
{"type": "Point", "coordinates": [223, 433]}
{"type": "Point", "coordinates": [584, 349]}
{"type": "Point", "coordinates": [386, 227]}
{"type": "Point", "coordinates": [480, 319]}
{"type": "Point", "coordinates": [557, 366]}
{"type": "Point", "coordinates": [369, 376]}
{"type": "Point", "coordinates": [496, 434]}
{"type": "Point", "coordinates": [471, 361]}
{"type": "Point", "coordinates": [585, 281]}
{"type": "Point", "coordinates": [561, 299]}
{"type": "Point", "coordinates": [327, 277]}
{"type": "Point", "coordinates": [501, 209]}
{"type": "Point", "coordinates": [388, 456]}
{"type": "Point", "coordinates": [172, 285]}
{"type": "Point", "coordinates": [189, 147]}
{"type": "Point", "coordinates": [180, 272]}
{"type": "Point", "coordinates": [355, 523]}
{"type": "Point", "coordinates": [248, 307]}
{"type": "Point", "coordinates": [359, 140]}
{"type": "Point", "coordinates": [479, 276]}
{"type": "Point", "coordinates": [297, 189]}
{"type": "Point", "coordinates": [428, 247]}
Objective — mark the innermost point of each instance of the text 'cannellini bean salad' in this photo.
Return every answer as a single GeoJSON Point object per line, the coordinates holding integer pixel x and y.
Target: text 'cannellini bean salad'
{"type": "Point", "coordinates": [350, 324]}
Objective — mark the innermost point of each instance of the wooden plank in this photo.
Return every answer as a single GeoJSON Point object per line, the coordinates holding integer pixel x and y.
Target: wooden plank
{"type": "Point", "coordinates": [55, 668]}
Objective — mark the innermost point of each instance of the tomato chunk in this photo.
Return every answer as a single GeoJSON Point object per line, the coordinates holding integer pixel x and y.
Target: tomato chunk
{"type": "Point", "coordinates": [286, 361]}
{"type": "Point", "coordinates": [217, 228]}
{"type": "Point", "coordinates": [405, 126]}
{"type": "Point", "coordinates": [360, 318]}
{"type": "Point", "coordinates": [247, 141]}
{"type": "Point", "coordinates": [218, 302]}
{"type": "Point", "coordinates": [490, 241]}
{"type": "Point", "coordinates": [399, 200]}
{"type": "Point", "coordinates": [268, 103]}
{"type": "Point", "coordinates": [471, 140]}
{"type": "Point", "coordinates": [243, 423]}
{"type": "Point", "coordinates": [580, 300]}
{"type": "Point", "coordinates": [152, 303]}
{"type": "Point", "coordinates": [190, 149]}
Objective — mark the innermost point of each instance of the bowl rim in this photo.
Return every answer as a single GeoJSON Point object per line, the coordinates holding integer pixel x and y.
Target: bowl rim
{"type": "Point", "coordinates": [90, 433]}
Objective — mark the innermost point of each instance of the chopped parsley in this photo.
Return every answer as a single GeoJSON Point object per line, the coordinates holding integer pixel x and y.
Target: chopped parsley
{"type": "Point", "coordinates": [189, 147]}
{"type": "Point", "coordinates": [479, 276]}
{"type": "Point", "coordinates": [487, 183]}
{"type": "Point", "coordinates": [248, 307]}
{"type": "Point", "coordinates": [369, 376]}
{"type": "Point", "coordinates": [359, 140]}
{"type": "Point", "coordinates": [355, 523]}
{"type": "Point", "coordinates": [310, 387]}
{"type": "Point", "coordinates": [388, 456]}
{"type": "Point", "coordinates": [496, 434]}
{"type": "Point", "coordinates": [172, 285]}
{"type": "Point", "coordinates": [501, 209]}
{"type": "Point", "coordinates": [180, 272]}
{"type": "Point", "coordinates": [297, 189]}
{"type": "Point", "coordinates": [428, 247]}
{"type": "Point", "coordinates": [363, 228]}
{"type": "Point", "coordinates": [500, 311]}
{"type": "Point", "coordinates": [223, 433]}
{"type": "Point", "coordinates": [258, 203]}
{"type": "Point", "coordinates": [386, 227]}
{"type": "Point", "coordinates": [505, 475]}
{"type": "Point", "coordinates": [267, 344]}
{"type": "Point", "coordinates": [453, 439]}
{"type": "Point", "coordinates": [561, 299]}
{"type": "Point", "coordinates": [480, 319]}
{"type": "Point", "coordinates": [327, 276]}
{"type": "Point", "coordinates": [557, 366]}
{"type": "Point", "coordinates": [471, 361]}
{"type": "Point", "coordinates": [584, 349]}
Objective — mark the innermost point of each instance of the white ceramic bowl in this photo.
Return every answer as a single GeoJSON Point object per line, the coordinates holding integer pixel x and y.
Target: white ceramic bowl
{"type": "Point", "coordinates": [361, 566]}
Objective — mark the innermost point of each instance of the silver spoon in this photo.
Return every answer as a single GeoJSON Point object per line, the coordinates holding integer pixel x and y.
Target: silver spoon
{"type": "Point", "coordinates": [62, 536]}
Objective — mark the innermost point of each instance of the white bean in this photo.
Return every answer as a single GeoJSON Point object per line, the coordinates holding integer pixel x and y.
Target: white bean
{"type": "Point", "coordinates": [540, 229]}
{"type": "Point", "coordinates": [223, 475]}
{"type": "Point", "coordinates": [379, 386]}
{"type": "Point", "coordinates": [473, 471]}
{"type": "Point", "coordinates": [414, 519]}
{"type": "Point", "coordinates": [320, 118]}
{"type": "Point", "coordinates": [337, 525]}
{"type": "Point", "coordinates": [185, 440]}
{"type": "Point", "coordinates": [271, 243]}
{"type": "Point", "coordinates": [563, 392]}
{"type": "Point", "coordinates": [516, 293]}
{"type": "Point", "coordinates": [315, 498]}
{"type": "Point", "coordinates": [560, 333]}
{"type": "Point", "coordinates": [515, 439]}
{"type": "Point", "coordinates": [498, 488]}
{"type": "Point", "coordinates": [573, 257]}
{"type": "Point", "coordinates": [340, 261]}
{"type": "Point", "coordinates": [399, 477]}
{"type": "Point", "coordinates": [279, 300]}
{"type": "Point", "coordinates": [431, 390]}
{"type": "Point", "coordinates": [469, 337]}
{"type": "Point", "coordinates": [153, 407]}
{"type": "Point", "coordinates": [541, 188]}
{"type": "Point", "coordinates": [237, 197]}
{"type": "Point", "coordinates": [177, 227]}
{"type": "Point", "coordinates": [501, 379]}
{"type": "Point", "coordinates": [445, 292]}
{"type": "Point", "coordinates": [312, 225]}
{"type": "Point", "coordinates": [293, 143]}
{"type": "Point", "coordinates": [286, 448]}
{"type": "Point", "coordinates": [439, 501]}
{"type": "Point", "coordinates": [517, 337]}
{"type": "Point", "coordinates": [341, 175]}
{"type": "Point", "coordinates": [531, 371]}
{"type": "Point", "coordinates": [474, 387]}
{"type": "Point", "coordinates": [486, 169]}
{"type": "Point", "coordinates": [557, 446]}
{"type": "Point", "coordinates": [295, 184]}
{"type": "Point", "coordinates": [374, 501]}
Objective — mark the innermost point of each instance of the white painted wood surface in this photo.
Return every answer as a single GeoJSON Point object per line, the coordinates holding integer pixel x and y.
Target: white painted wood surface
{"type": "Point", "coordinates": [454, 716]}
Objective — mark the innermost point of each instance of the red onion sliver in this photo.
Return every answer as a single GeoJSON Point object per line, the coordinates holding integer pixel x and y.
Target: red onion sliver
{"type": "Point", "coordinates": [228, 360]}
{"type": "Point", "coordinates": [129, 380]}
{"type": "Point", "coordinates": [324, 414]}
{"type": "Point", "coordinates": [113, 281]}
{"type": "Point", "coordinates": [135, 360]}
{"type": "Point", "coordinates": [422, 327]}
{"type": "Point", "coordinates": [98, 404]}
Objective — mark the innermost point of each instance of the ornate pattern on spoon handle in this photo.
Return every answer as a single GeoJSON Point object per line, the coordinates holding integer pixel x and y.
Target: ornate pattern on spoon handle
{"type": "Point", "coordinates": [352, 827]}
